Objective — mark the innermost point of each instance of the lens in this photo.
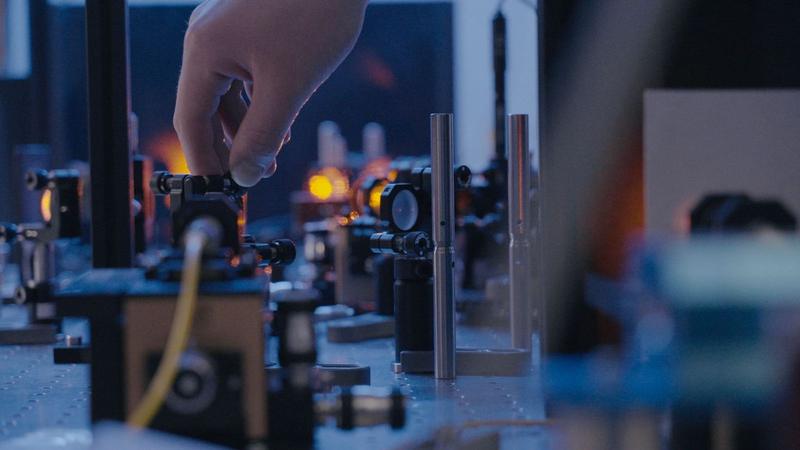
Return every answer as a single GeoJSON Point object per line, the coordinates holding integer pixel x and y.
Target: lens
{"type": "Point", "coordinates": [44, 205]}
{"type": "Point", "coordinates": [405, 210]}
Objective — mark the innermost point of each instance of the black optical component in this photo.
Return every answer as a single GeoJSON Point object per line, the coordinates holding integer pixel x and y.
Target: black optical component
{"type": "Point", "coordinates": [36, 179]}
{"type": "Point", "coordinates": [63, 187]}
{"type": "Point", "coordinates": [277, 252]}
{"type": "Point", "coordinates": [736, 212]}
{"type": "Point", "coordinates": [406, 206]}
{"type": "Point", "coordinates": [463, 176]}
{"type": "Point", "coordinates": [408, 244]}
{"type": "Point", "coordinates": [181, 187]}
{"type": "Point", "coordinates": [401, 206]}
{"type": "Point", "coordinates": [220, 207]}
{"type": "Point", "coordinates": [192, 196]}
{"type": "Point", "coordinates": [294, 325]}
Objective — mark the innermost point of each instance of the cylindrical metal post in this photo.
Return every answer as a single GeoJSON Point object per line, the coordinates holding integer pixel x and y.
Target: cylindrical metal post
{"type": "Point", "coordinates": [519, 229]}
{"type": "Point", "coordinates": [444, 348]}
{"type": "Point", "coordinates": [43, 262]}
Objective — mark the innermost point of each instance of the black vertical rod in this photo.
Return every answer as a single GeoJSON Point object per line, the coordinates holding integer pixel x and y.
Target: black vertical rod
{"type": "Point", "coordinates": [499, 57]}
{"type": "Point", "coordinates": [109, 151]}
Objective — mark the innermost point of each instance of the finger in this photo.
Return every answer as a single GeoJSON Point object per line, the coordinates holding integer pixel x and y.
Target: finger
{"type": "Point", "coordinates": [232, 110]}
{"type": "Point", "coordinates": [248, 90]}
{"type": "Point", "coordinates": [271, 169]}
{"type": "Point", "coordinates": [221, 148]}
{"type": "Point", "coordinates": [288, 137]}
{"type": "Point", "coordinates": [261, 134]}
{"type": "Point", "coordinates": [196, 120]}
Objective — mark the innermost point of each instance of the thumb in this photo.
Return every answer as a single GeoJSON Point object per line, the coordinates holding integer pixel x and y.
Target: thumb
{"type": "Point", "coordinates": [261, 135]}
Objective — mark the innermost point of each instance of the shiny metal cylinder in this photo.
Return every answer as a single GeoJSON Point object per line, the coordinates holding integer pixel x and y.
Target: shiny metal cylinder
{"type": "Point", "coordinates": [44, 264]}
{"type": "Point", "coordinates": [519, 230]}
{"type": "Point", "coordinates": [442, 155]}
{"type": "Point", "coordinates": [38, 262]}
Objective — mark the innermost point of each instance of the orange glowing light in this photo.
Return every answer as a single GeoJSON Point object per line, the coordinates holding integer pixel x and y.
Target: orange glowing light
{"type": "Point", "coordinates": [166, 148]}
{"type": "Point", "coordinates": [375, 197]}
{"type": "Point", "coordinates": [392, 176]}
{"type": "Point", "coordinates": [377, 168]}
{"type": "Point", "coordinates": [328, 183]}
{"type": "Point", "coordinates": [320, 186]}
{"type": "Point", "coordinates": [44, 205]}
{"type": "Point", "coordinates": [241, 218]}
{"type": "Point", "coordinates": [348, 219]}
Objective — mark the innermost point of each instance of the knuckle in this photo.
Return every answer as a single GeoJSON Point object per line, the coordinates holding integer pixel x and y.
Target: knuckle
{"type": "Point", "coordinates": [260, 140]}
{"type": "Point", "coordinates": [198, 34]}
{"type": "Point", "coordinates": [177, 121]}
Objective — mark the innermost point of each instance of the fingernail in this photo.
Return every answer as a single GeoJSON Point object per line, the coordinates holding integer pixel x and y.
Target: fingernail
{"type": "Point", "coordinates": [271, 169]}
{"type": "Point", "coordinates": [249, 172]}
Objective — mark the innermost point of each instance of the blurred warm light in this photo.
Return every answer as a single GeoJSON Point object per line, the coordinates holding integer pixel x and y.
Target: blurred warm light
{"type": "Point", "coordinates": [682, 217]}
{"type": "Point", "coordinates": [320, 186]}
{"type": "Point", "coordinates": [44, 204]}
{"type": "Point", "coordinates": [241, 219]}
{"type": "Point", "coordinates": [377, 71]}
{"type": "Point", "coordinates": [378, 168]}
{"type": "Point", "coordinates": [375, 197]}
{"type": "Point", "coordinates": [392, 176]}
{"type": "Point", "coordinates": [348, 219]}
{"type": "Point", "coordinates": [166, 148]}
{"type": "Point", "coordinates": [328, 183]}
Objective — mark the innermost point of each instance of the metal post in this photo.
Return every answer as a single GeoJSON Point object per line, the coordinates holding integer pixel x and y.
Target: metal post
{"type": "Point", "coordinates": [444, 343]}
{"type": "Point", "coordinates": [109, 151]}
{"type": "Point", "coordinates": [43, 262]}
{"type": "Point", "coordinates": [519, 228]}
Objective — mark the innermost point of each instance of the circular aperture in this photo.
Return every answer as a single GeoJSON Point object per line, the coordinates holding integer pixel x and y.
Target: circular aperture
{"type": "Point", "coordinates": [195, 386]}
{"type": "Point", "coordinates": [405, 210]}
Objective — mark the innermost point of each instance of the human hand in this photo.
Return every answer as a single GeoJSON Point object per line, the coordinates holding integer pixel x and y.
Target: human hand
{"type": "Point", "coordinates": [279, 52]}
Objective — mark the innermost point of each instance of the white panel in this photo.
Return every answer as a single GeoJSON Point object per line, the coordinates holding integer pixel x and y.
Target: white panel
{"type": "Point", "coordinates": [474, 78]}
{"type": "Point", "coordinates": [698, 142]}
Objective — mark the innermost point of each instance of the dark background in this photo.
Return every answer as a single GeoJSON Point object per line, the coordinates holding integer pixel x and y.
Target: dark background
{"type": "Point", "coordinates": [399, 72]}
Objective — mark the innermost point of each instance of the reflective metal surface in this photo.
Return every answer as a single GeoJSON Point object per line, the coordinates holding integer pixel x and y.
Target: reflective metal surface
{"type": "Point", "coordinates": [519, 229]}
{"type": "Point", "coordinates": [43, 403]}
{"type": "Point", "coordinates": [41, 400]}
{"type": "Point", "coordinates": [442, 155]}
